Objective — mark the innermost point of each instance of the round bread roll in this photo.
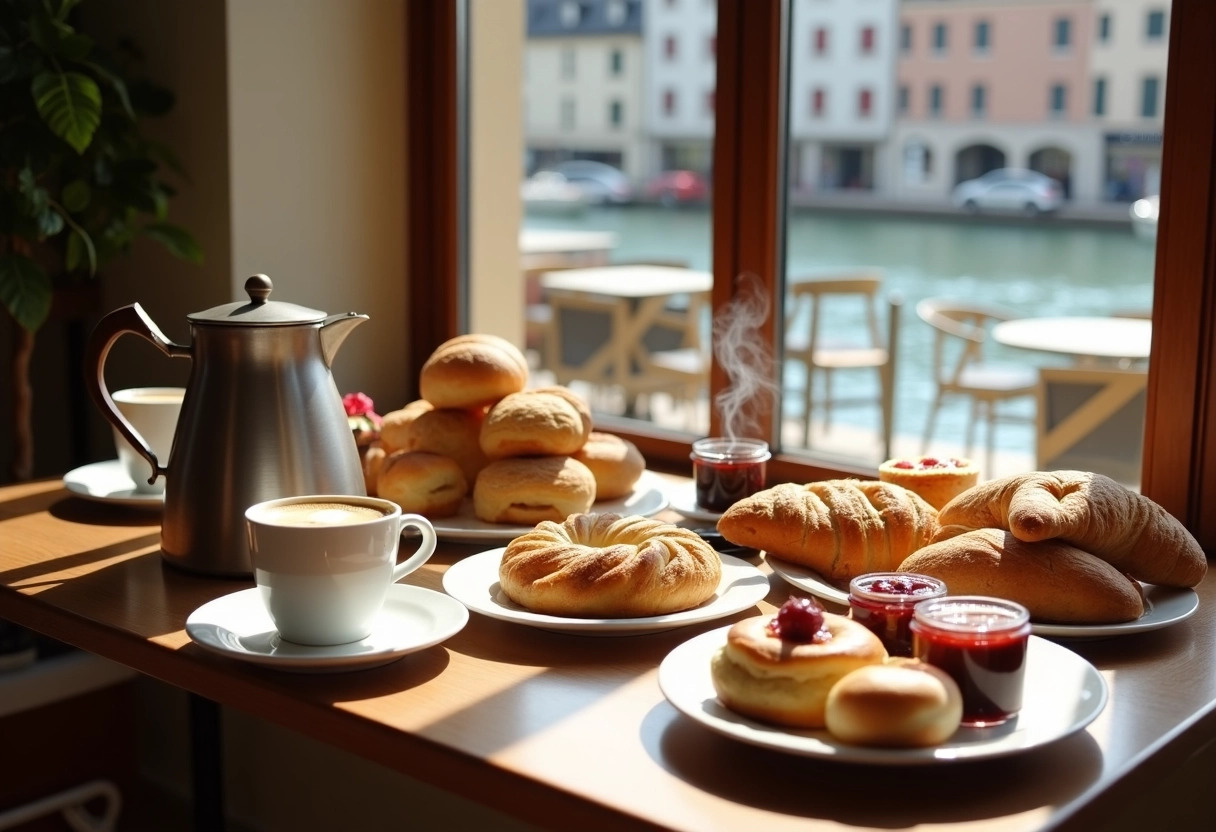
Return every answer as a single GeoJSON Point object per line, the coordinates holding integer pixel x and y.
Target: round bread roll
{"type": "Point", "coordinates": [608, 566]}
{"type": "Point", "coordinates": [422, 483]}
{"type": "Point", "coordinates": [905, 703]}
{"type": "Point", "coordinates": [373, 460]}
{"type": "Point", "coordinates": [937, 480]}
{"type": "Point", "coordinates": [616, 463]}
{"type": "Point", "coordinates": [472, 371]}
{"type": "Point", "coordinates": [527, 490]}
{"type": "Point", "coordinates": [575, 400]}
{"type": "Point", "coordinates": [448, 431]}
{"type": "Point", "coordinates": [534, 423]}
{"type": "Point", "coordinates": [396, 425]}
{"type": "Point", "coordinates": [785, 682]}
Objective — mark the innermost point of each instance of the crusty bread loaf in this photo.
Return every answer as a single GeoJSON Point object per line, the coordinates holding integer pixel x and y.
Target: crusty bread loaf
{"type": "Point", "coordinates": [839, 528]}
{"type": "Point", "coordinates": [937, 481]}
{"type": "Point", "coordinates": [1056, 582]}
{"type": "Point", "coordinates": [422, 483]}
{"type": "Point", "coordinates": [527, 490]}
{"type": "Point", "coordinates": [472, 371]}
{"type": "Point", "coordinates": [903, 703]}
{"type": "Point", "coordinates": [616, 463]}
{"type": "Point", "coordinates": [784, 682]}
{"type": "Point", "coordinates": [1093, 513]}
{"type": "Point", "coordinates": [534, 422]}
{"type": "Point", "coordinates": [608, 566]}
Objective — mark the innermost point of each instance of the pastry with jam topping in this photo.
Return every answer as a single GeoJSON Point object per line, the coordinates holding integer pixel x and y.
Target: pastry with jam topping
{"type": "Point", "coordinates": [937, 480]}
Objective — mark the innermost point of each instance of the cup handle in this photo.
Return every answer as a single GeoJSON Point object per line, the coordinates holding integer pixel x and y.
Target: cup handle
{"type": "Point", "coordinates": [425, 549]}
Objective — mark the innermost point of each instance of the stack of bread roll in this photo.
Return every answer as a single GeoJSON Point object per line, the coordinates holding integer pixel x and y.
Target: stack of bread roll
{"type": "Point", "coordinates": [523, 455]}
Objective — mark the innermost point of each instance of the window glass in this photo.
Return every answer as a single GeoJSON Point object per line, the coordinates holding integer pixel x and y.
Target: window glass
{"type": "Point", "coordinates": [1104, 28]}
{"type": "Point", "coordinates": [981, 36]}
{"type": "Point", "coordinates": [1155, 25]}
{"type": "Point", "coordinates": [978, 100]}
{"type": "Point", "coordinates": [1099, 96]}
{"type": "Point", "coordinates": [939, 37]}
{"type": "Point", "coordinates": [1148, 98]}
{"type": "Point", "coordinates": [905, 38]}
{"type": "Point", "coordinates": [1062, 33]}
{"type": "Point", "coordinates": [1058, 99]}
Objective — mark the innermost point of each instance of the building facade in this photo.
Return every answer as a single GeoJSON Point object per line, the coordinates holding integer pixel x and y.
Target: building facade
{"type": "Point", "coordinates": [680, 42]}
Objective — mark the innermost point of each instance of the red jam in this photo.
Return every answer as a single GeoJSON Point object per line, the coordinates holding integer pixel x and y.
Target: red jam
{"type": "Point", "coordinates": [929, 463]}
{"type": "Point", "coordinates": [727, 470]}
{"type": "Point", "coordinates": [799, 620]}
{"type": "Point", "coordinates": [982, 643]}
{"type": "Point", "coordinates": [883, 603]}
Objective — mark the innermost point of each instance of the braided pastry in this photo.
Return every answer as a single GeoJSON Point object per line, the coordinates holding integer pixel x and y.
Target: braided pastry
{"type": "Point", "coordinates": [839, 528]}
{"type": "Point", "coordinates": [608, 566]}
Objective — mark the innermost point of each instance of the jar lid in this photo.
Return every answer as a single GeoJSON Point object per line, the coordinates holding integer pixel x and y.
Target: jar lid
{"type": "Point", "coordinates": [259, 310]}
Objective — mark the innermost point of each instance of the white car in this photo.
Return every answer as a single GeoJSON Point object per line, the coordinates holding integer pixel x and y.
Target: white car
{"type": "Point", "coordinates": [1009, 189]}
{"type": "Point", "coordinates": [603, 184]}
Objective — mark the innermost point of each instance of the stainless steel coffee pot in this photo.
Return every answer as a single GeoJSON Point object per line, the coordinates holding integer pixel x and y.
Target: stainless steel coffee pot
{"type": "Point", "coordinates": [262, 418]}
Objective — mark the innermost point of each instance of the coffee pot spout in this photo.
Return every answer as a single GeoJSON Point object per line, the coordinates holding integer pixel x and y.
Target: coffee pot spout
{"type": "Point", "coordinates": [334, 330]}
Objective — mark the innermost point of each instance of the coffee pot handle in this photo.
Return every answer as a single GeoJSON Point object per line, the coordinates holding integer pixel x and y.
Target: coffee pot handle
{"type": "Point", "coordinates": [128, 319]}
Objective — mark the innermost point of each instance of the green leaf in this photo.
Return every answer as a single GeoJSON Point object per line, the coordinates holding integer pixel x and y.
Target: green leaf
{"type": "Point", "coordinates": [80, 248]}
{"type": "Point", "coordinates": [120, 86]}
{"type": "Point", "coordinates": [50, 222]}
{"type": "Point", "coordinates": [76, 195]}
{"type": "Point", "coordinates": [25, 290]}
{"type": "Point", "coordinates": [177, 240]}
{"type": "Point", "coordinates": [70, 104]}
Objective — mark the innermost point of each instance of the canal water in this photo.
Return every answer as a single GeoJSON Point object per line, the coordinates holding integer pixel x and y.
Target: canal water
{"type": "Point", "coordinates": [1034, 269]}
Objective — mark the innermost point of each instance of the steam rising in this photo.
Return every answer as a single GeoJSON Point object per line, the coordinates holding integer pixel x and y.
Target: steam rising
{"type": "Point", "coordinates": [745, 356]}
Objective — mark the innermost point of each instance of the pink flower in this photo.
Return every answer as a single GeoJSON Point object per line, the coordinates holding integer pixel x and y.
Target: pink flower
{"type": "Point", "coordinates": [357, 404]}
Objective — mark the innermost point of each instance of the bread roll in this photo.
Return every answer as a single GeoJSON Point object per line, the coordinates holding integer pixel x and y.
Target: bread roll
{"type": "Point", "coordinates": [527, 490]}
{"type": "Point", "coordinates": [534, 422]}
{"type": "Point", "coordinates": [396, 425]}
{"type": "Point", "coordinates": [1089, 511]}
{"type": "Point", "coordinates": [839, 528]}
{"type": "Point", "coordinates": [422, 483]}
{"type": "Point", "coordinates": [787, 683]}
{"type": "Point", "coordinates": [472, 371]}
{"type": "Point", "coordinates": [936, 480]}
{"type": "Point", "coordinates": [447, 431]}
{"type": "Point", "coordinates": [372, 460]}
{"type": "Point", "coordinates": [607, 566]}
{"type": "Point", "coordinates": [1056, 582]}
{"type": "Point", "coordinates": [616, 463]}
{"type": "Point", "coordinates": [904, 703]}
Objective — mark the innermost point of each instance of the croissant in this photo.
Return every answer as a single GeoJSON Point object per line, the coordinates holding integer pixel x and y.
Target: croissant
{"type": "Point", "coordinates": [1089, 511]}
{"type": "Point", "coordinates": [839, 528]}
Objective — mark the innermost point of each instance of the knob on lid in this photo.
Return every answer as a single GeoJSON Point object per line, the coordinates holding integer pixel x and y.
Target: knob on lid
{"type": "Point", "coordinates": [259, 310]}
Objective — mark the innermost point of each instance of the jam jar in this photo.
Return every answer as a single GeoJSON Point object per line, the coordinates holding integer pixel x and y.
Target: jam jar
{"type": "Point", "coordinates": [883, 602]}
{"type": "Point", "coordinates": [726, 470]}
{"type": "Point", "coordinates": [982, 643]}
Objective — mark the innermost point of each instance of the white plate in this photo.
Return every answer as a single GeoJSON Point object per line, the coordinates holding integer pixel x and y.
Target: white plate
{"type": "Point", "coordinates": [238, 626]}
{"type": "Point", "coordinates": [107, 482]}
{"type": "Point", "coordinates": [1064, 693]}
{"type": "Point", "coordinates": [684, 501]}
{"type": "Point", "coordinates": [474, 582]}
{"type": "Point", "coordinates": [1163, 605]}
{"type": "Point", "coordinates": [648, 498]}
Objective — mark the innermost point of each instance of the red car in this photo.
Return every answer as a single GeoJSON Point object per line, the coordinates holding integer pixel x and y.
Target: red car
{"type": "Point", "coordinates": [675, 187]}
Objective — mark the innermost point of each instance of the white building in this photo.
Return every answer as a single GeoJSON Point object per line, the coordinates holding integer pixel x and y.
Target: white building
{"type": "Point", "coordinates": [681, 42]}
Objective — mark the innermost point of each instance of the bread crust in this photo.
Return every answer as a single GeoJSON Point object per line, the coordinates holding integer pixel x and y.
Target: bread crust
{"type": "Point", "coordinates": [616, 463]}
{"type": "Point", "coordinates": [527, 490]}
{"type": "Point", "coordinates": [534, 422]}
{"type": "Point", "coordinates": [1056, 582]}
{"type": "Point", "coordinates": [787, 683]}
{"type": "Point", "coordinates": [473, 370]}
{"type": "Point", "coordinates": [608, 566]}
{"type": "Point", "coordinates": [839, 528]}
{"type": "Point", "coordinates": [422, 483]}
{"type": "Point", "coordinates": [1093, 513]}
{"type": "Point", "coordinates": [903, 703]}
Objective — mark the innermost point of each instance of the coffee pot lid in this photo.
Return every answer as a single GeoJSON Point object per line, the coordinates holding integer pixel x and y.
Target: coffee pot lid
{"type": "Point", "coordinates": [259, 310]}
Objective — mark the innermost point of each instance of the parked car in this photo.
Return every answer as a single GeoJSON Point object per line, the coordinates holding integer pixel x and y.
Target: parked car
{"type": "Point", "coordinates": [602, 183]}
{"type": "Point", "coordinates": [675, 187]}
{"type": "Point", "coordinates": [1010, 189]}
{"type": "Point", "coordinates": [549, 192]}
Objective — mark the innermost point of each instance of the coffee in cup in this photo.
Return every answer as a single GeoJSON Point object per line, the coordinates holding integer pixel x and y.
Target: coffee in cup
{"type": "Point", "coordinates": [153, 413]}
{"type": "Point", "coordinates": [324, 563]}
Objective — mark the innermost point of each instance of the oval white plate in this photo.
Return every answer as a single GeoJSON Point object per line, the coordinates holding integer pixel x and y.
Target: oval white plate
{"type": "Point", "coordinates": [237, 626]}
{"type": "Point", "coordinates": [474, 582]}
{"type": "Point", "coordinates": [107, 482]}
{"type": "Point", "coordinates": [807, 580]}
{"type": "Point", "coordinates": [1063, 694]}
{"type": "Point", "coordinates": [648, 499]}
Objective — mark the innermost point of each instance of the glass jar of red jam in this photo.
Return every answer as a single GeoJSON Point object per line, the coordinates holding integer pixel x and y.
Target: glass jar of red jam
{"type": "Point", "coordinates": [883, 602]}
{"type": "Point", "coordinates": [727, 470]}
{"type": "Point", "coordinates": [981, 642]}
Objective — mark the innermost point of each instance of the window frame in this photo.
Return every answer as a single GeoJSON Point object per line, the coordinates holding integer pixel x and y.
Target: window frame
{"type": "Point", "coordinates": [1179, 469]}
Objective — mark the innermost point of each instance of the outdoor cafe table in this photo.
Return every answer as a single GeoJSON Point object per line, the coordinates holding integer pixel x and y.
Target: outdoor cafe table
{"type": "Point", "coordinates": [1091, 340]}
{"type": "Point", "coordinates": [571, 732]}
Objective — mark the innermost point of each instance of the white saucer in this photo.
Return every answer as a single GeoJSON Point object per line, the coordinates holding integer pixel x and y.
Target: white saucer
{"type": "Point", "coordinates": [1063, 694]}
{"type": "Point", "coordinates": [684, 501]}
{"type": "Point", "coordinates": [238, 626]}
{"type": "Point", "coordinates": [648, 499]}
{"type": "Point", "coordinates": [107, 482]}
{"type": "Point", "coordinates": [474, 582]}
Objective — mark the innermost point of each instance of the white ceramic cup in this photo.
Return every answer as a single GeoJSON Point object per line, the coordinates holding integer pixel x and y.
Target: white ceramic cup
{"type": "Point", "coordinates": [153, 412]}
{"type": "Point", "coordinates": [323, 563]}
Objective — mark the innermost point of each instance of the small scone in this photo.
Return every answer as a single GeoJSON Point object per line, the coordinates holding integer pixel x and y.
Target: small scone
{"type": "Point", "coordinates": [534, 422]}
{"type": "Point", "coordinates": [472, 371]}
{"type": "Point", "coordinates": [616, 463]}
{"type": "Point", "coordinates": [527, 490]}
{"type": "Point", "coordinates": [904, 703]}
{"type": "Point", "coordinates": [449, 431]}
{"type": "Point", "coordinates": [937, 480]}
{"type": "Point", "coordinates": [422, 483]}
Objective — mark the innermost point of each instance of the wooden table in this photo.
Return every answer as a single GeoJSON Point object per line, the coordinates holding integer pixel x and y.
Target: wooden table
{"type": "Point", "coordinates": [572, 732]}
{"type": "Point", "coordinates": [1090, 340]}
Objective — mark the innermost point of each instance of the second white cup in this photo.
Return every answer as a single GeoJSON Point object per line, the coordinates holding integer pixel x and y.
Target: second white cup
{"type": "Point", "coordinates": [324, 563]}
{"type": "Point", "coordinates": [153, 412]}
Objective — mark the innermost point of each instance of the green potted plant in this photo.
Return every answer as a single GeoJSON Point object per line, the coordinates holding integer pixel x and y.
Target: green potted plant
{"type": "Point", "coordinates": [79, 182]}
